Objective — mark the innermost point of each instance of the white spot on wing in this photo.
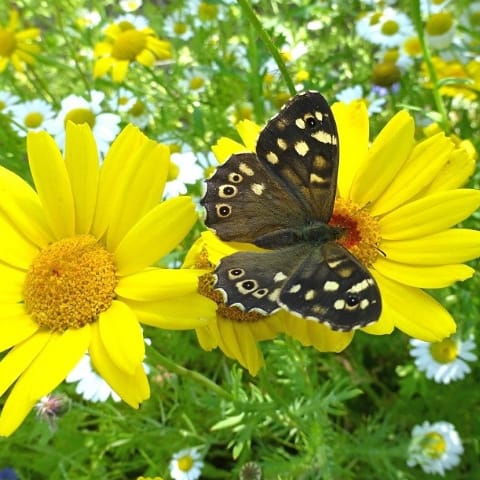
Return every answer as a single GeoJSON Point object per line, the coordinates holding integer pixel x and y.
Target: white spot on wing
{"type": "Point", "coordinates": [339, 304]}
{"type": "Point", "coordinates": [325, 137]}
{"type": "Point", "coordinates": [360, 286]}
{"type": "Point", "coordinates": [295, 288]}
{"type": "Point", "coordinates": [257, 188]}
{"type": "Point", "coordinates": [279, 277]}
{"type": "Point", "coordinates": [330, 286]}
{"type": "Point", "coordinates": [301, 148]}
{"type": "Point", "coordinates": [300, 123]}
{"type": "Point", "coordinates": [309, 295]}
{"type": "Point", "coordinates": [244, 168]}
{"type": "Point", "coordinates": [282, 144]}
{"type": "Point", "coordinates": [272, 158]}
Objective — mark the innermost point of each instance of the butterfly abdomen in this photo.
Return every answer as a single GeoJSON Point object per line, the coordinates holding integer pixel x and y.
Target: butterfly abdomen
{"type": "Point", "coordinates": [315, 232]}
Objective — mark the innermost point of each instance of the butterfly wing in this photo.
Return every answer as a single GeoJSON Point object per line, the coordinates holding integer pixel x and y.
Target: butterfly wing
{"type": "Point", "coordinates": [244, 201]}
{"type": "Point", "coordinates": [331, 286]}
{"type": "Point", "coordinates": [252, 281]}
{"type": "Point", "coordinates": [299, 146]}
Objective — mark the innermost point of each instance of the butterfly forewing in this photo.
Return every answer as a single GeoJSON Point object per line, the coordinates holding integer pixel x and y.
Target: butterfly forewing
{"type": "Point", "coordinates": [300, 147]}
{"type": "Point", "coordinates": [243, 201]}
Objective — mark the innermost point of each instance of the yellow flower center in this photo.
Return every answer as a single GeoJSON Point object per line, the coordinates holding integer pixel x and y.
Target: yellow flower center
{"type": "Point", "coordinates": [180, 28]}
{"type": "Point", "coordinates": [185, 463]}
{"type": "Point", "coordinates": [70, 283]}
{"type": "Point", "coordinates": [8, 43]}
{"type": "Point", "coordinates": [137, 109]}
{"type": "Point", "coordinates": [391, 56]}
{"type": "Point", "coordinates": [433, 445]}
{"type": "Point", "coordinates": [445, 351]}
{"type": "Point", "coordinates": [33, 120]}
{"type": "Point", "coordinates": [173, 171]}
{"type": "Point", "coordinates": [81, 115]}
{"type": "Point", "coordinates": [362, 234]}
{"type": "Point", "coordinates": [390, 27]}
{"type": "Point", "coordinates": [128, 45]}
{"type": "Point", "coordinates": [439, 23]}
{"type": "Point", "coordinates": [196, 83]}
{"type": "Point", "coordinates": [207, 11]}
{"type": "Point", "coordinates": [412, 46]}
{"type": "Point", "coordinates": [385, 74]}
{"type": "Point", "coordinates": [244, 112]}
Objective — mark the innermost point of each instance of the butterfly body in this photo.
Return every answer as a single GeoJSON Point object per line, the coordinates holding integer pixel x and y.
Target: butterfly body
{"type": "Point", "coordinates": [281, 199]}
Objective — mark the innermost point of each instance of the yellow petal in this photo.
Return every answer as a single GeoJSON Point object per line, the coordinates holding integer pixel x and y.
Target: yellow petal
{"type": "Point", "coordinates": [11, 284]}
{"type": "Point", "coordinates": [81, 160]}
{"type": "Point", "coordinates": [455, 173]}
{"type": "Point", "coordinates": [353, 132]}
{"type": "Point", "coordinates": [119, 70]}
{"type": "Point", "coordinates": [102, 66]}
{"type": "Point", "coordinates": [456, 245]}
{"type": "Point", "coordinates": [142, 189]}
{"type": "Point", "coordinates": [157, 284]}
{"type": "Point", "coordinates": [43, 375]}
{"type": "Point", "coordinates": [134, 388]}
{"type": "Point", "coordinates": [421, 276]}
{"type": "Point", "coordinates": [179, 313]}
{"type": "Point", "coordinates": [434, 213]}
{"type": "Point", "coordinates": [122, 337]}
{"type": "Point", "coordinates": [238, 342]}
{"type": "Point", "coordinates": [386, 157]}
{"type": "Point", "coordinates": [225, 147]}
{"type": "Point", "coordinates": [114, 176]}
{"type": "Point", "coordinates": [20, 203]}
{"type": "Point", "coordinates": [216, 248]}
{"type": "Point", "coordinates": [424, 163]}
{"type": "Point", "coordinates": [156, 234]}
{"type": "Point", "coordinates": [414, 312]}
{"type": "Point", "coordinates": [323, 338]}
{"type": "Point", "coordinates": [249, 132]}
{"type": "Point", "coordinates": [52, 183]}
{"type": "Point", "coordinates": [19, 358]}
{"type": "Point", "coordinates": [16, 250]}
{"type": "Point", "coordinates": [15, 324]}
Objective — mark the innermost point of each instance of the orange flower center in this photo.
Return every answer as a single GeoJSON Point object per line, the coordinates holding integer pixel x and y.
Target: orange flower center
{"type": "Point", "coordinates": [8, 43]}
{"type": "Point", "coordinates": [70, 283]}
{"type": "Point", "coordinates": [128, 45]}
{"type": "Point", "coordinates": [362, 234]}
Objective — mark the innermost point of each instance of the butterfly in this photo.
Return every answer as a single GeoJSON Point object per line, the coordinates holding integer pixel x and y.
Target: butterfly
{"type": "Point", "coordinates": [281, 199]}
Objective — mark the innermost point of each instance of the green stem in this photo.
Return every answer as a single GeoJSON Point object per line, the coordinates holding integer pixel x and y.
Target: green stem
{"type": "Point", "coordinates": [253, 19]}
{"type": "Point", "coordinates": [173, 367]}
{"type": "Point", "coordinates": [427, 58]}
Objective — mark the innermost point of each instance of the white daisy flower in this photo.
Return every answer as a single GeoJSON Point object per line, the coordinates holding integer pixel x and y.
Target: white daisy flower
{"type": "Point", "coordinates": [138, 22]}
{"type": "Point", "coordinates": [440, 30]}
{"type": "Point", "coordinates": [176, 27]}
{"type": "Point", "coordinates": [392, 28]}
{"type": "Point", "coordinates": [133, 110]}
{"type": "Point", "coordinates": [444, 361]}
{"type": "Point", "coordinates": [85, 18]}
{"type": "Point", "coordinates": [31, 116]}
{"type": "Point", "coordinates": [184, 170]}
{"type": "Point", "coordinates": [374, 103]}
{"type": "Point", "coordinates": [130, 5]}
{"type": "Point", "coordinates": [7, 100]}
{"type": "Point", "coordinates": [186, 465]}
{"type": "Point", "coordinates": [90, 386]}
{"type": "Point", "coordinates": [435, 447]}
{"type": "Point", "coordinates": [105, 126]}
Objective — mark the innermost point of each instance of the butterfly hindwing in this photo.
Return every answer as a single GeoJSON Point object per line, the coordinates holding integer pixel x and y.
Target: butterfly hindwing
{"type": "Point", "coordinates": [300, 147]}
{"type": "Point", "coordinates": [332, 286]}
{"type": "Point", "coordinates": [243, 201]}
{"type": "Point", "coordinates": [252, 281]}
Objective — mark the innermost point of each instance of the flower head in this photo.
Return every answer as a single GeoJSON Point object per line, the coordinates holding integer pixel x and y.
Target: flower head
{"type": "Point", "coordinates": [440, 29]}
{"type": "Point", "coordinates": [444, 361]}
{"type": "Point", "coordinates": [435, 447]}
{"type": "Point", "coordinates": [33, 115]}
{"type": "Point", "coordinates": [126, 44]}
{"type": "Point", "coordinates": [51, 407]}
{"type": "Point", "coordinates": [391, 198]}
{"type": "Point", "coordinates": [17, 46]}
{"type": "Point", "coordinates": [184, 170]}
{"type": "Point", "coordinates": [78, 268]}
{"type": "Point", "coordinates": [186, 465]}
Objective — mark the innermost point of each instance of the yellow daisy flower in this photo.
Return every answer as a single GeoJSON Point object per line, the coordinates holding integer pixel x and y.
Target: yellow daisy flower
{"type": "Point", "coordinates": [126, 44]}
{"type": "Point", "coordinates": [76, 270]}
{"type": "Point", "coordinates": [17, 46]}
{"type": "Point", "coordinates": [397, 199]}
